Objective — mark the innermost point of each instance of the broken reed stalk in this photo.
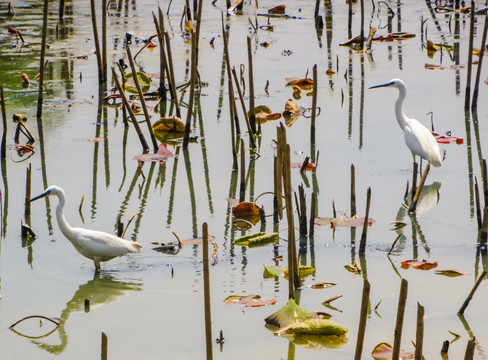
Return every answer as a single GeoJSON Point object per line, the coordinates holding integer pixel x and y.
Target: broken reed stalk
{"type": "Point", "coordinates": [276, 190]}
{"type": "Point", "coordinates": [416, 198]}
{"type": "Point", "coordinates": [142, 139]}
{"type": "Point", "coordinates": [174, 96]}
{"type": "Point", "coordinates": [414, 180]}
{"type": "Point", "coordinates": [362, 320]}
{"type": "Point", "coordinates": [27, 206]}
{"type": "Point", "coordinates": [141, 98]}
{"type": "Point", "coordinates": [313, 213]}
{"type": "Point", "coordinates": [314, 107]}
{"type": "Point", "coordinates": [362, 25]}
{"type": "Point", "coordinates": [478, 203]}
{"type": "Point", "coordinates": [104, 40]}
{"type": "Point", "coordinates": [244, 110]}
{"type": "Point", "coordinates": [445, 348]}
{"type": "Point", "coordinates": [419, 338]}
{"type": "Point", "coordinates": [349, 20]}
{"type": "Point", "coordinates": [252, 115]}
{"type": "Point", "coordinates": [104, 352]}
{"type": "Point", "coordinates": [473, 290]}
{"type": "Point", "coordinates": [3, 150]}
{"type": "Point", "coordinates": [394, 243]}
{"type": "Point", "coordinates": [353, 190]}
{"type": "Point", "coordinates": [402, 301]}
{"type": "Point", "coordinates": [206, 292]}
{"type": "Point", "coordinates": [470, 57]}
{"type": "Point", "coordinates": [469, 354]}
{"type": "Point", "coordinates": [193, 72]}
{"type": "Point", "coordinates": [42, 62]}
{"type": "Point", "coordinates": [97, 42]}
{"type": "Point", "coordinates": [61, 9]}
{"type": "Point", "coordinates": [474, 104]}
{"type": "Point", "coordinates": [362, 245]}
{"type": "Point", "coordinates": [242, 192]}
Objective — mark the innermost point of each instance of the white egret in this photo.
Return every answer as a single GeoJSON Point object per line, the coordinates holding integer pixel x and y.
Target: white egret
{"type": "Point", "coordinates": [418, 138]}
{"type": "Point", "coordinates": [95, 245]}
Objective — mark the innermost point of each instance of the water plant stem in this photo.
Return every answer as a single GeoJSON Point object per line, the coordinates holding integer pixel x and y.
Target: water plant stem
{"type": "Point", "coordinates": [141, 99]}
{"type": "Point", "coordinates": [244, 110]}
{"type": "Point", "coordinates": [193, 73]}
{"type": "Point", "coordinates": [27, 206]}
{"type": "Point", "coordinates": [97, 42]}
{"type": "Point", "coordinates": [142, 139]}
{"type": "Point", "coordinates": [469, 354]}
{"type": "Point", "coordinates": [104, 352]}
{"type": "Point", "coordinates": [362, 320]}
{"type": "Point", "coordinates": [414, 180]}
{"type": "Point", "coordinates": [419, 338]}
{"type": "Point", "coordinates": [41, 62]}
{"type": "Point", "coordinates": [252, 115]}
{"type": "Point", "coordinates": [3, 150]}
{"type": "Point", "coordinates": [174, 96]}
{"type": "Point", "coordinates": [362, 245]}
{"type": "Point", "coordinates": [242, 192]}
{"type": "Point", "coordinates": [206, 293]}
{"type": "Point", "coordinates": [471, 293]}
{"type": "Point", "coordinates": [353, 190]}
{"type": "Point", "coordinates": [402, 301]}
{"type": "Point", "coordinates": [104, 40]}
{"type": "Point", "coordinates": [314, 106]}
{"type": "Point", "coordinates": [474, 104]}
{"type": "Point", "coordinates": [470, 57]}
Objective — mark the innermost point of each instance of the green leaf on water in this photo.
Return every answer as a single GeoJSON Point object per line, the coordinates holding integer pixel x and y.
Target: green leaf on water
{"type": "Point", "coordinates": [288, 315]}
{"type": "Point", "coordinates": [303, 271]}
{"type": "Point", "coordinates": [315, 327]}
{"type": "Point", "coordinates": [272, 271]}
{"type": "Point", "coordinates": [130, 85]}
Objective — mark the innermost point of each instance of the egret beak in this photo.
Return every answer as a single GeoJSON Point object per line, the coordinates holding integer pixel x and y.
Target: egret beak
{"type": "Point", "coordinates": [45, 193]}
{"type": "Point", "coordinates": [382, 85]}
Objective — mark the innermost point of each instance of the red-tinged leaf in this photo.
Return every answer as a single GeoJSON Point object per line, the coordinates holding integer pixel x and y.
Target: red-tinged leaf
{"type": "Point", "coordinates": [419, 264]}
{"type": "Point", "coordinates": [309, 167]}
{"type": "Point", "coordinates": [486, 81]}
{"type": "Point", "coordinates": [245, 209]}
{"type": "Point", "coordinates": [322, 221]}
{"type": "Point", "coordinates": [444, 139]}
{"type": "Point", "coordinates": [96, 139]}
{"type": "Point", "coordinates": [233, 202]}
{"type": "Point", "coordinates": [249, 301]}
{"type": "Point", "coordinates": [161, 156]}
{"type": "Point", "coordinates": [384, 351]}
{"type": "Point", "coordinates": [303, 84]}
{"type": "Point", "coordinates": [350, 222]}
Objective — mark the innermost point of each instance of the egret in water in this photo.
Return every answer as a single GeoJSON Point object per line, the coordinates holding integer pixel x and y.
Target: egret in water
{"type": "Point", "coordinates": [96, 245]}
{"type": "Point", "coordinates": [418, 138]}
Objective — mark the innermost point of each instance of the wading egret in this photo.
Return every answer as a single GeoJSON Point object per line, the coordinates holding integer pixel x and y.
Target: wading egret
{"type": "Point", "coordinates": [96, 245]}
{"type": "Point", "coordinates": [418, 138]}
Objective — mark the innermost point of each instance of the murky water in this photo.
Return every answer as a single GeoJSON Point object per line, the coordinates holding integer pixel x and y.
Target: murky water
{"type": "Point", "coordinates": [150, 305]}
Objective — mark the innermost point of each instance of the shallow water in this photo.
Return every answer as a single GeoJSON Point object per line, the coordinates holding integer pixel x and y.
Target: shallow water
{"type": "Point", "coordinates": [151, 304]}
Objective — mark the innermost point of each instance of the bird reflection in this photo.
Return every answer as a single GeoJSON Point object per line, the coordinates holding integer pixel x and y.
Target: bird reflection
{"type": "Point", "coordinates": [102, 289]}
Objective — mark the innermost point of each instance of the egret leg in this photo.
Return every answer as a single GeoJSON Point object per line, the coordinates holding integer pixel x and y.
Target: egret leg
{"type": "Point", "coordinates": [413, 205]}
{"type": "Point", "coordinates": [414, 179]}
{"type": "Point", "coordinates": [97, 265]}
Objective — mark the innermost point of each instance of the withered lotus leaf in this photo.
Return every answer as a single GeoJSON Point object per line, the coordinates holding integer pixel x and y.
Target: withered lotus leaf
{"type": "Point", "coordinates": [245, 208]}
{"type": "Point", "coordinates": [384, 351]}
{"type": "Point", "coordinates": [170, 123]}
{"type": "Point", "coordinates": [278, 10]}
{"type": "Point", "coordinates": [161, 156]}
{"type": "Point", "coordinates": [249, 300]}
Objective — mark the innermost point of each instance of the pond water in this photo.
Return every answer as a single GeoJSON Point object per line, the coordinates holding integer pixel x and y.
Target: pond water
{"type": "Point", "coordinates": [150, 305]}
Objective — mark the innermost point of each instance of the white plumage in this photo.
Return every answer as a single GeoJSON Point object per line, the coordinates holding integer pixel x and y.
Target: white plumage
{"type": "Point", "coordinates": [95, 245]}
{"type": "Point", "coordinates": [418, 138]}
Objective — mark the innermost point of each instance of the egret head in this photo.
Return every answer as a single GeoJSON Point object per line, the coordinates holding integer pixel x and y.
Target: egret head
{"type": "Point", "coordinates": [396, 83]}
{"type": "Point", "coordinates": [51, 190]}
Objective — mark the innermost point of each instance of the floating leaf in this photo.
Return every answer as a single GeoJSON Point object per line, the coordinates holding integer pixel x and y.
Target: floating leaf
{"type": "Point", "coordinates": [450, 272]}
{"type": "Point", "coordinates": [249, 300]}
{"type": "Point", "coordinates": [303, 271]}
{"type": "Point", "coordinates": [384, 351]}
{"type": "Point", "coordinates": [322, 285]}
{"type": "Point", "coordinates": [171, 124]}
{"type": "Point", "coordinates": [277, 10]}
{"type": "Point", "coordinates": [441, 67]}
{"type": "Point", "coordinates": [161, 156]}
{"type": "Point", "coordinates": [322, 221]}
{"type": "Point", "coordinates": [402, 35]}
{"type": "Point", "coordinates": [329, 72]}
{"type": "Point", "coordinates": [303, 84]}
{"type": "Point", "coordinates": [245, 208]}
{"type": "Point", "coordinates": [445, 139]}
{"type": "Point", "coordinates": [189, 26]}
{"type": "Point", "coordinates": [143, 79]}
{"type": "Point", "coordinates": [315, 327]}
{"type": "Point", "coordinates": [262, 109]}
{"type": "Point", "coordinates": [309, 167]}
{"type": "Point", "coordinates": [272, 271]}
{"type": "Point", "coordinates": [288, 315]}
{"type": "Point", "coordinates": [292, 112]}
{"type": "Point", "coordinates": [96, 139]}
{"type": "Point", "coordinates": [350, 222]}
{"type": "Point", "coordinates": [257, 239]}
{"type": "Point", "coordinates": [417, 264]}
{"type": "Point", "coordinates": [431, 48]}
{"type": "Point", "coordinates": [355, 268]}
